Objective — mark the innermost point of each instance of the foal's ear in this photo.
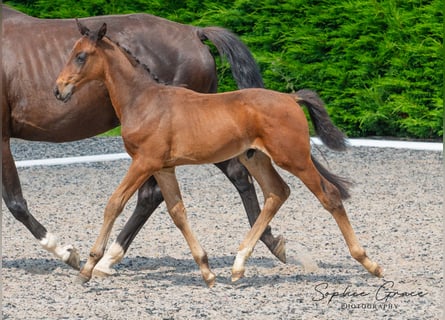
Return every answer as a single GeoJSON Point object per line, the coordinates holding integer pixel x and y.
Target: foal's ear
{"type": "Point", "coordinates": [83, 29]}
{"type": "Point", "coordinates": [102, 31]}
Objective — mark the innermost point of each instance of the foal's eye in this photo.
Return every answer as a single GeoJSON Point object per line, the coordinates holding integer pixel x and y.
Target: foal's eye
{"type": "Point", "coordinates": [81, 58]}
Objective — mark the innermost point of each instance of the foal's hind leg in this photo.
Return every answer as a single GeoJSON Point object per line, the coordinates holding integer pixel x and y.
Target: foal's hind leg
{"type": "Point", "coordinates": [166, 179]}
{"type": "Point", "coordinates": [330, 198]}
{"type": "Point", "coordinates": [275, 192]}
{"type": "Point", "coordinates": [241, 179]}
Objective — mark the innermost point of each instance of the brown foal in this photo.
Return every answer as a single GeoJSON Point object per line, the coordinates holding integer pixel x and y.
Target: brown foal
{"type": "Point", "coordinates": [165, 126]}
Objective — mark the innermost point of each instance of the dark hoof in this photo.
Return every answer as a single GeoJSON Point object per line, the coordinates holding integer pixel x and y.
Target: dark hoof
{"type": "Point", "coordinates": [74, 259]}
{"type": "Point", "coordinates": [279, 248]}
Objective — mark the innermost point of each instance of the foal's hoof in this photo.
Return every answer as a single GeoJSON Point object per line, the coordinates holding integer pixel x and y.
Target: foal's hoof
{"type": "Point", "coordinates": [103, 271]}
{"type": "Point", "coordinates": [279, 249]}
{"type": "Point", "coordinates": [378, 271]}
{"type": "Point", "coordinates": [81, 279]}
{"type": "Point", "coordinates": [103, 274]}
{"type": "Point", "coordinates": [236, 275]}
{"type": "Point", "coordinates": [73, 260]}
{"type": "Point", "coordinates": [210, 281]}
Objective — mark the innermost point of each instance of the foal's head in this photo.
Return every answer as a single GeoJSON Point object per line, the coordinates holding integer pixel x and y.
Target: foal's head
{"type": "Point", "coordinates": [84, 63]}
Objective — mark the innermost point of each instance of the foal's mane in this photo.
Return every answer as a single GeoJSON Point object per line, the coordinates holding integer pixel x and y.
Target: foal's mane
{"type": "Point", "coordinates": [134, 61]}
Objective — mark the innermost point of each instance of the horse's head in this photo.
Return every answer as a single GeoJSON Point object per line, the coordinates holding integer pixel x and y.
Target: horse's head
{"type": "Point", "coordinates": [84, 63]}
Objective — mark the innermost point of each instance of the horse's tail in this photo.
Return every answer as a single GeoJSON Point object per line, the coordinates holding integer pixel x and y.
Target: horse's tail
{"type": "Point", "coordinates": [244, 68]}
{"type": "Point", "coordinates": [329, 134]}
{"type": "Point", "coordinates": [342, 184]}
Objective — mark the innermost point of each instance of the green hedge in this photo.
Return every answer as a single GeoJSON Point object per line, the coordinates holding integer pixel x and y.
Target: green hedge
{"type": "Point", "coordinates": [377, 64]}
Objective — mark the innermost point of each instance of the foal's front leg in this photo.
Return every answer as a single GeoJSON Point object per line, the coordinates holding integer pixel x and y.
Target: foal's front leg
{"type": "Point", "coordinates": [149, 198]}
{"type": "Point", "coordinates": [134, 178]}
{"type": "Point", "coordinates": [166, 179]}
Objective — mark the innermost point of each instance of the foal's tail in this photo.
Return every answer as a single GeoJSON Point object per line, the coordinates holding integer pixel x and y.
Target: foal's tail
{"type": "Point", "coordinates": [244, 68]}
{"type": "Point", "coordinates": [342, 184]}
{"type": "Point", "coordinates": [329, 134]}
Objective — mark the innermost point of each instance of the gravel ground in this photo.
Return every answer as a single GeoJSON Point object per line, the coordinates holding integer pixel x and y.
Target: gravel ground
{"type": "Point", "coordinates": [396, 209]}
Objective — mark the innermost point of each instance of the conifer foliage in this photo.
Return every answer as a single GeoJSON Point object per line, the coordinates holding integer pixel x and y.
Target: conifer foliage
{"type": "Point", "coordinates": [377, 64]}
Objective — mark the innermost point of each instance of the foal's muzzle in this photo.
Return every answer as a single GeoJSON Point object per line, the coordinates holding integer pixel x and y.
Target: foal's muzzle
{"type": "Point", "coordinates": [65, 94]}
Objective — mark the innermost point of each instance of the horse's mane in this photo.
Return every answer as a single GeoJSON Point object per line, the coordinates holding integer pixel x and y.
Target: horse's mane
{"type": "Point", "coordinates": [135, 61]}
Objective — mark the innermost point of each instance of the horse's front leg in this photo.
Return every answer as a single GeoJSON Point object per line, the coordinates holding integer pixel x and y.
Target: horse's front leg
{"type": "Point", "coordinates": [243, 182]}
{"type": "Point", "coordinates": [149, 198]}
{"type": "Point", "coordinates": [166, 179]}
{"type": "Point", "coordinates": [134, 178]}
{"type": "Point", "coordinates": [16, 203]}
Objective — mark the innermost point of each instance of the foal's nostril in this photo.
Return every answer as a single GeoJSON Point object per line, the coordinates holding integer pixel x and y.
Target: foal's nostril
{"type": "Point", "coordinates": [56, 91]}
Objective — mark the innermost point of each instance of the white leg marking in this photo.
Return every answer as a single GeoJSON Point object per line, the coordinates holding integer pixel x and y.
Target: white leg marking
{"type": "Point", "coordinates": [113, 255]}
{"type": "Point", "coordinates": [49, 243]}
{"type": "Point", "coordinates": [241, 258]}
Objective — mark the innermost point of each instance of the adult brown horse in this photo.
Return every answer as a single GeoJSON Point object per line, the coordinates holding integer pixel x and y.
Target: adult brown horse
{"type": "Point", "coordinates": [33, 53]}
{"type": "Point", "coordinates": [166, 126]}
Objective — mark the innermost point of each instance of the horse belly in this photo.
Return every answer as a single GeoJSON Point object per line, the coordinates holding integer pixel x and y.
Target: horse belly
{"type": "Point", "coordinates": [208, 148]}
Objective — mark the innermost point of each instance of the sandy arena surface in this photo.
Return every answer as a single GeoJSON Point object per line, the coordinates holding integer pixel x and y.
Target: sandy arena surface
{"type": "Point", "coordinates": [396, 210]}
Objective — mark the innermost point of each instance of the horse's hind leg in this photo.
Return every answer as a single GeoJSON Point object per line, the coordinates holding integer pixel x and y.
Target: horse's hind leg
{"type": "Point", "coordinates": [149, 198]}
{"type": "Point", "coordinates": [275, 192]}
{"type": "Point", "coordinates": [166, 179]}
{"type": "Point", "coordinates": [16, 203]}
{"type": "Point", "coordinates": [242, 181]}
{"type": "Point", "coordinates": [322, 186]}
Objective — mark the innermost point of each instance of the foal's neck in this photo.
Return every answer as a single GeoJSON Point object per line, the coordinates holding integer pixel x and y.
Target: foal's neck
{"type": "Point", "coordinates": [125, 77]}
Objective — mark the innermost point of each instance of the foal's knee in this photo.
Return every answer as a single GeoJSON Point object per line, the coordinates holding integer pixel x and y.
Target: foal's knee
{"type": "Point", "coordinates": [178, 215]}
{"type": "Point", "coordinates": [114, 208]}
